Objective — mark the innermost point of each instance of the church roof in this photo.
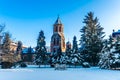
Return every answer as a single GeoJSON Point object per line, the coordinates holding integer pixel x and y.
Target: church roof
{"type": "Point", "coordinates": [58, 21]}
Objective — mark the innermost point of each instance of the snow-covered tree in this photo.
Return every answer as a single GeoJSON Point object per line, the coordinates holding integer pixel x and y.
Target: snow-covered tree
{"type": "Point", "coordinates": [41, 49]}
{"type": "Point", "coordinates": [6, 43]}
{"type": "Point", "coordinates": [68, 52]}
{"type": "Point", "coordinates": [91, 39]}
{"type": "Point", "coordinates": [1, 33]}
{"type": "Point", "coordinates": [76, 59]}
{"type": "Point", "coordinates": [2, 27]}
{"type": "Point", "coordinates": [19, 47]}
{"type": "Point", "coordinates": [75, 45]}
{"type": "Point", "coordinates": [57, 56]}
{"type": "Point", "coordinates": [110, 55]}
{"type": "Point", "coordinates": [75, 56]}
{"type": "Point", "coordinates": [105, 55]}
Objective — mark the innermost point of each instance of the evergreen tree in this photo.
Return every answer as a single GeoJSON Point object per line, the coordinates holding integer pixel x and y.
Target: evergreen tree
{"type": "Point", "coordinates": [57, 56]}
{"type": "Point", "coordinates": [30, 50]}
{"type": "Point", "coordinates": [116, 55]}
{"type": "Point", "coordinates": [75, 56]}
{"type": "Point", "coordinates": [68, 52]}
{"type": "Point", "coordinates": [1, 33]}
{"type": "Point", "coordinates": [117, 45]}
{"type": "Point", "coordinates": [41, 49]}
{"type": "Point", "coordinates": [91, 39]}
{"type": "Point", "coordinates": [17, 56]}
{"type": "Point", "coordinates": [19, 47]}
{"type": "Point", "coordinates": [105, 55]}
{"type": "Point", "coordinates": [75, 46]}
{"type": "Point", "coordinates": [110, 55]}
{"type": "Point", "coordinates": [6, 43]}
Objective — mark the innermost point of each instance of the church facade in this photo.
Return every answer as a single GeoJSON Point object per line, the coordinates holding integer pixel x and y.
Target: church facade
{"type": "Point", "coordinates": [58, 39]}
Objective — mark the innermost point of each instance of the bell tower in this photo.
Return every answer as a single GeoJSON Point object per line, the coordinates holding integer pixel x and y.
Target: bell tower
{"type": "Point", "coordinates": [58, 39]}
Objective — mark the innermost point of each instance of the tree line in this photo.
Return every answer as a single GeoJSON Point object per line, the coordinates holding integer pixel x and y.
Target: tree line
{"type": "Point", "coordinates": [94, 50]}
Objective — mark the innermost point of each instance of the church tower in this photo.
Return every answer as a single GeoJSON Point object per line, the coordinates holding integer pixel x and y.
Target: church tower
{"type": "Point", "coordinates": [58, 39]}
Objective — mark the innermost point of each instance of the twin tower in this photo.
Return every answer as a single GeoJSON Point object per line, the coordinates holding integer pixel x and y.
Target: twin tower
{"type": "Point", "coordinates": [58, 39]}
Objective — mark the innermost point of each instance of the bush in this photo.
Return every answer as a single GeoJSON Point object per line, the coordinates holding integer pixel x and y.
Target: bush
{"type": "Point", "coordinates": [23, 65]}
{"type": "Point", "coordinates": [85, 65]}
{"type": "Point", "coordinates": [5, 65]}
{"type": "Point", "coordinates": [60, 67]}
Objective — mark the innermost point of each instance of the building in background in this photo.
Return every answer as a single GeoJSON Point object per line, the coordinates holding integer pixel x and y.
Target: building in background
{"type": "Point", "coordinates": [115, 34]}
{"type": "Point", "coordinates": [58, 39]}
{"type": "Point", "coordinates": [28, 54]}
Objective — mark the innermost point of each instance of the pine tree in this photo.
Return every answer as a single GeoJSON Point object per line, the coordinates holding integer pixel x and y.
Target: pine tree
{"type": "Point", "coordinates": [19, 47]}
{"type": "Point", "coordinates": [91, 39]}
{"type": "Point", "coordinates": [68, 53]}
{"type": "Point", "coordinates": [41, 49]}
{"type": "Point", "coordinates": [2, 27]}
{"type": "Point", "coordinates": [6, 43]}
{"type": "Point", "coordinates": [116, 55]}
{"type": "Point", "coordinates": [57, 56]}
{"type": "Point", "coordinates": [75, 45]}
{"type": "Point", "coordinates": [30, 51]}
{"type": "Point", "coordinates": [110, 55]}
{"type": "Point", "coordinates": [105, 55]}
{"type": "Point", "coordinates": [1, 33]}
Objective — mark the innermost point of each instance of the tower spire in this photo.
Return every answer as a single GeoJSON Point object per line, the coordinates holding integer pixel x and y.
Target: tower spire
{"type": "Point", "coordinates": [58, 21]}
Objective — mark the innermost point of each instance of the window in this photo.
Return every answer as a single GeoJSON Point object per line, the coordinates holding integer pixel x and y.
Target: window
{"type": "Point", "coordinates": [54, 41]}
{"type": "Point", "coordinates": [60, 29]}
{"type": "Point", "coordinates": [56, 29]}
{"type": "Point", "coordinates": [57, 41]}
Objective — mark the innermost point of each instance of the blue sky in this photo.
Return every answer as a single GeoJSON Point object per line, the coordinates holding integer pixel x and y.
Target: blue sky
{"type": "Point", "coordinates": [25, 18]}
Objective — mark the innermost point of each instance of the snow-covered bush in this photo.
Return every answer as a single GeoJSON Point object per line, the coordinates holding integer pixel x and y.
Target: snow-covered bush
{"type": "Point", "coordinates": [85, 65]}
{"type": "Point", "coordinates": [23, 65]}
{"type": "Point", "coordinates": [60, 67]}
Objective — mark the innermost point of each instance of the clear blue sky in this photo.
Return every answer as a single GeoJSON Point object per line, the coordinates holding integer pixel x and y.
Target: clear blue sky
{"type": "Point", "coordinates": [25, 18]}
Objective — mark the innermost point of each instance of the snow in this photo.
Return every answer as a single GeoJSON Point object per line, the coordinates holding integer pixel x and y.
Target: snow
{"type": "Point", "coordinates": [35, 73]}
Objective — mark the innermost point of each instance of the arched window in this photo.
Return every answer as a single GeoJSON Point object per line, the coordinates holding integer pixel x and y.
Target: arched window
{"type": "Point", "coordinates": [60, 29]}
{"type": "Point", "coordinates": [56, 29]}
{"type": "Point", "coordinates": [57, 41]}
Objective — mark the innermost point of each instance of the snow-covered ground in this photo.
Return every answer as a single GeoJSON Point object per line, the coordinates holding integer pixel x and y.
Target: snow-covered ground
{"type": "Point", "coordinates": [34, 73]}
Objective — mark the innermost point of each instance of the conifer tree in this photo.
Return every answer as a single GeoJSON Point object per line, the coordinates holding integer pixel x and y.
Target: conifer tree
{"type": "Point", "coordinates": [1, 33]}
{"type": "Point", "coordinates": [19, 47]}
{"type": "Point", "coordinates": [91, 39]}
{"type": "Point", "coordinates": [75, 45]}
{"type": "Point", "coordinates": [41, 49]}
{"type": "Point", "coordinates": [110, 55]}
{"type": "Point", "coordinates": [2, 27]}
{"type": "Point", "coordinates": [68, 52]}
{"type": "Point", "coordinates": [30, 50]}
{"type": "Point", "coordinates": [17, 55]}
{"type": "Point", "coordinates": [6, 43]}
